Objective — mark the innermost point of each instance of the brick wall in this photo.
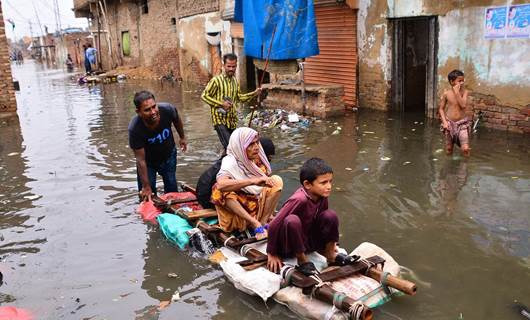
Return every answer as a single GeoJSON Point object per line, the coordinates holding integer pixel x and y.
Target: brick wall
{"type": "Point", "coordinates": [188, 8]}
{"type": "Point", "coordinates": [153, 35]}
{"type": "Point", "coordinates": [7, 92]}
{"type": "Point", "coordinates": [374, 92]}
{"type": "Point", "coordinates": [321, 100]}
{"type": "Point", "coordinates": [498, 116]}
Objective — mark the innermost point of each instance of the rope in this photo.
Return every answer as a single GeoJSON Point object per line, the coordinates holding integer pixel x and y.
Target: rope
{"type": "Point", "coordinates": [384, 282]}
{"type": "Point", "coordinates": [226, 241]}
{"type": "Point", "coordinates": [368, 264]}
{"type": "Point", "coordinates": [244, 250]}
{"type": "Point", "coordinates": [286, 273]}
{"type": "Point", "coordinates": [356, 310]}
{"type": "Point", "coordinates": [318, 285]}
{"type": "Point", "coordinates": [338, 298]}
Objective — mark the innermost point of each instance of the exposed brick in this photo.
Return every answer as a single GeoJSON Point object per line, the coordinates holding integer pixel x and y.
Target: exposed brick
{"type": "Point", "coordinates": [515, 129]}
{"type": "Point", "coordinates": [500, 127]}
{"type": "Point", "coordinates": [494, 108]}
{"type": "Point", "coordinates": [7, 93]}
{"type": "Point", "coordinates": [517, 117]}
{"type": "Point", "coordinates": [524, 124]}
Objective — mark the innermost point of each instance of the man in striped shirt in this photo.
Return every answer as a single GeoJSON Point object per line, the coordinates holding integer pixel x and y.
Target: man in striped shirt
{"type": "Point", "coordinates": [221, 94]}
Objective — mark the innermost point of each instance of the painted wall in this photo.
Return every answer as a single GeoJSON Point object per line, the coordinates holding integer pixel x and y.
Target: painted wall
{"type": "Point", "coordinates": [195, 57]}
{"type": "Point", "coordinates": [374, 52]}
{"type": "Point", "coordinates": [496, 68]}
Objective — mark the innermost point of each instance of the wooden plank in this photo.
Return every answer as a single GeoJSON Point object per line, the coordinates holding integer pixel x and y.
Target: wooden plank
{"type": "Point", "coordinates": [204, 213]}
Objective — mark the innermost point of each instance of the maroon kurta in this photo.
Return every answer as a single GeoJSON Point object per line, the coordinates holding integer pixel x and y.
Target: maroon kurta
{"type": "Point", "coordinates": [302, 225]}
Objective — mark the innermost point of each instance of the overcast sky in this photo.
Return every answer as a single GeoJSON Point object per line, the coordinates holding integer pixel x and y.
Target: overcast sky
{"type": "Point", "coordinates": [22, 12]}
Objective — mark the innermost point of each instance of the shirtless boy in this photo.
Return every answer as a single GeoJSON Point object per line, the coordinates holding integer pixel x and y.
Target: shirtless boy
{"type": "Point", "coordinates": [452, 109]}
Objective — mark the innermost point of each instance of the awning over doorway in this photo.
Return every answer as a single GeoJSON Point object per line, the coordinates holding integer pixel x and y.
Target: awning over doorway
{"type": "Point", "coordinates": [296, 31]}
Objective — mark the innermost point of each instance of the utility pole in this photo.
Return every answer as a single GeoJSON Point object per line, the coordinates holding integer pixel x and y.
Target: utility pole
{"type": "Point", "coordinates": [41, 31]}
{"type": "Point", "coordinates": [57, 17]}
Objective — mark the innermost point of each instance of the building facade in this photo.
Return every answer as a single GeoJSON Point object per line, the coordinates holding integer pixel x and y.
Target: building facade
{"type": "Point", "coordinates": [407, 48]}
{"type": "Point", "coordinates": [8, 103]}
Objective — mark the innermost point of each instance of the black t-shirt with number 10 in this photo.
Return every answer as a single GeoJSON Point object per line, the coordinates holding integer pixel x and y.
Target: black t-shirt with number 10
{"type": "Point", "coordinates": [158, 143]}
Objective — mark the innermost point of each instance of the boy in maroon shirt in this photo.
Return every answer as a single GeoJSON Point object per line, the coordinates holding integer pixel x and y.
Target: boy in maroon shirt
{"type": "Point", "coordinates": [305, 224]}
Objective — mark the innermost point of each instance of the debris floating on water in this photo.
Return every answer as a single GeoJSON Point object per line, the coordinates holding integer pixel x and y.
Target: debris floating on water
{"type": "Point", "coordinates": [175, 297]}
{"type": "Point", "coordinates": [293, 117]}
{"type": "Point", "coordinates": [278, 118]}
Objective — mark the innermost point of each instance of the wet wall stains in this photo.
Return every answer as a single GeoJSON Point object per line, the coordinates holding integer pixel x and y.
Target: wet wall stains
{"type": "Point", "coordinates": [195, 53]}
{"type": "Point", "coordinates": [495, 67]}
{"type": "Point", "coordinates": [498, 67]}
{"type": "Point", "coordinates": [374, 47]}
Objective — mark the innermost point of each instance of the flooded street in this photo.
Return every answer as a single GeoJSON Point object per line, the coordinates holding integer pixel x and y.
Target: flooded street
{"type": "Point", "coordinates": [72, 246]}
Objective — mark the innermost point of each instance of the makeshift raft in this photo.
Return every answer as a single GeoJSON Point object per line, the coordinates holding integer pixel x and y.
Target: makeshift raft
{"type": "Point", "coordinates": [347, 292]}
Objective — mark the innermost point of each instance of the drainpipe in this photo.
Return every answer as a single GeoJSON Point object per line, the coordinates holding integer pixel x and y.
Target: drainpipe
{"type": "Point", "coordinates": [99, 40]}
{"type": "Point", "coordinates": [304, 98]}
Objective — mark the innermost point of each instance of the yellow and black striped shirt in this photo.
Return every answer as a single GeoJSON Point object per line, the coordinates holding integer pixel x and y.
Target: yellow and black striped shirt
{"type": "Point", "coordinates": [219, 87]}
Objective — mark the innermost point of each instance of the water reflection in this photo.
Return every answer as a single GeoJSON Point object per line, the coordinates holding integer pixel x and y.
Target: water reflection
{"type": "Point", "coordinates": [15, 197]}
{"type": "Point", "coordinates": [452, 178]}
{"type": "Point", "coordinates": [69, 193]}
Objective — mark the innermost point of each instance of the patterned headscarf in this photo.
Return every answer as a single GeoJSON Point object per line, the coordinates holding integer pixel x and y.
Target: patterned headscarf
{"type": "Point", "coordinates": [237, 165]}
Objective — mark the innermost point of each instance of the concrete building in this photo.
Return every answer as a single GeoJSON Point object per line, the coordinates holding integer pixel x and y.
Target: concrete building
{"type": "Point", "coordinates": [204, 37]}
{"type": "Point", "coordinates": [407, 48]}
{"type": "Point", "coordinates": [8, 103]}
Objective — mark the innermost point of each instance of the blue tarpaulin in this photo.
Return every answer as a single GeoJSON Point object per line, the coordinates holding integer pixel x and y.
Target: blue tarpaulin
{"type": "Point", "coordinates": [296, 30]}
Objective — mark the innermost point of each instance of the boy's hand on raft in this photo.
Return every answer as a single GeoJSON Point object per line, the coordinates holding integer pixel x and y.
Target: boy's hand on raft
{"type": "Point", "coordinates": [274, 263]}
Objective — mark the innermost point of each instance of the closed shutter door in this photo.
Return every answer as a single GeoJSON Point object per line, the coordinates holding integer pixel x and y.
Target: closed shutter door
{"type": "Point", "coordinates": [337, 61]}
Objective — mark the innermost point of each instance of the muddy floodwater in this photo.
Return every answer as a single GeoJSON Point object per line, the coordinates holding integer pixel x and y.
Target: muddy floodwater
{"type": "Point", "coordinates": [72, 246]}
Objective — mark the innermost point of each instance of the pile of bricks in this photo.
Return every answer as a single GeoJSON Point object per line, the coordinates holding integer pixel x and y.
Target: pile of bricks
{"type": "Point", "coordinates": [499, 116]}
{"type": "Point", "coordinates": [7, 91]}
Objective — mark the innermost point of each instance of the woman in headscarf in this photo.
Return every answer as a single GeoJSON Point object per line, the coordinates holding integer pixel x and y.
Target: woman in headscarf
{"type": "Point", "coordinates": [246, 193]}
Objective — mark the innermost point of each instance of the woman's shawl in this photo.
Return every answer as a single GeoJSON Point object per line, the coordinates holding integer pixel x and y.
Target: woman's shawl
{"type": "Point", "coordinates": [237, 165]}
